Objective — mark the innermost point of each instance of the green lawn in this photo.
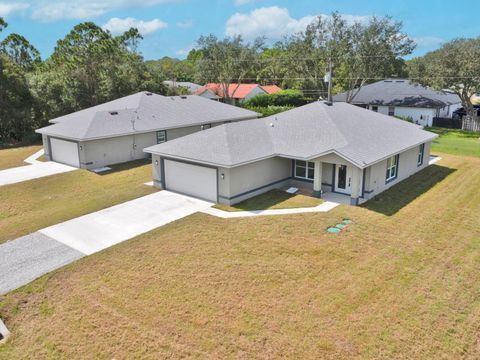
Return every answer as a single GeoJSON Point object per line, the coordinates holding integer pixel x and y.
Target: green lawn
{"type": "Point", "coordinates": [401, 282]}
{"type": "Point", "coordinates": [456, 142]}
{"type": "Point", "coordinates": [274, 199]}
{"type": "Point", "coordinates": [14, 157]}
{"type": "Point", "coordinates": [32, 205]}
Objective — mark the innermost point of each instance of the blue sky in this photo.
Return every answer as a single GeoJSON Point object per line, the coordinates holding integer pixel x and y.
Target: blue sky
{"type": "Point", "coordinates": [170, 27]}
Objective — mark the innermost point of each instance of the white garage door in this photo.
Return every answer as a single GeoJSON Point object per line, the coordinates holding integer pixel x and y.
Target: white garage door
{"type": "Point", "coordinates": [65, 152]}
{"type": "Point", "coordinates": [194, 180]}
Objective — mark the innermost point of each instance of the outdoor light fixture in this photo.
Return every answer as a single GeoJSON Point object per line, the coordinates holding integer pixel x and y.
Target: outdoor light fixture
{"type": "Point", "coordinates": [81, 147]}
{"type": "Point", "coordinates": [222, 176]}
{"type": "Point", "coordinates": [156, 162]}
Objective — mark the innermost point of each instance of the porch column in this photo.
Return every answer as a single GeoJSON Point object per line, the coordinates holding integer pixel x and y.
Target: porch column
{"type": "Point", "coordinates": [317, 179]}
{"type": "Point", "coordinates": [355, 186]}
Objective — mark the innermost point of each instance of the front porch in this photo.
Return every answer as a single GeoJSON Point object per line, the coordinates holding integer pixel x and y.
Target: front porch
{"type": "Point", "coordinates": [329, 177]}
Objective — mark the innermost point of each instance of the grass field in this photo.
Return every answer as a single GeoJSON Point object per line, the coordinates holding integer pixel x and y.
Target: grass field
{"type": "Point", "coordinates": [456, 142]}
{"type": "Point", "coordinates": [32, 205]}
{"type": "Point", "coordinates": [401, 282]}
{"type": "Point", "coordinates": [14, 157]}
{"type": "Point", "coordinates": [274, 199]}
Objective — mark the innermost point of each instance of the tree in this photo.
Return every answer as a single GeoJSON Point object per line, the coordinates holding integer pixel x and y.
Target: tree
{"type": "Point", "coordinates": [227, 61]}
{"type": "Point", "coordinates": [20, 51]}
{"type": "Point", "coordinates": [455, 66]}
{"type": "Point", "coordinates": [359, 52]}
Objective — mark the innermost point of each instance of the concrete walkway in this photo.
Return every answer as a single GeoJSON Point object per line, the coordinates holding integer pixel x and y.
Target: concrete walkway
{"type": "Point", "coordinates": [36, 169]}
{"type": "Point", "coordinates": [29, 257]}
{"type": "Point", "coordinates": [102, 229]}
{"type": "Point", "coordinates": [323, 207]}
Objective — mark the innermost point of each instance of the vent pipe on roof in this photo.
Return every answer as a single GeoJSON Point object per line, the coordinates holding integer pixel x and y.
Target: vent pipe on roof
{"type": "Point", "coordinates": [113, 112]}
{"type": "Point", "coordinates": [148, 93]}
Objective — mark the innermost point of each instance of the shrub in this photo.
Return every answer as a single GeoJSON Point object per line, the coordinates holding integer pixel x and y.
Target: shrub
{"type": "Point", "coordinates": [282, 98]}
{"type": "Point", "coordinates": [268, 110]}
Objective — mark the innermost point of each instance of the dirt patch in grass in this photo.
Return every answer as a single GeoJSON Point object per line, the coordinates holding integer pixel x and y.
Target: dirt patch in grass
{"type": "Point", "coordinates": [13, 157]}
{"type": "Point", "coordinates": [403, 286]}
{"type": "Point", "coordinates": [273, 199]}
{"type": "Point", "coordinates": [32, 205]}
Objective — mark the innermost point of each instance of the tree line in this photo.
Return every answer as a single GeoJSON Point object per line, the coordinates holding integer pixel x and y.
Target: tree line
{"type": "Point", "coordinates": [90, 66]}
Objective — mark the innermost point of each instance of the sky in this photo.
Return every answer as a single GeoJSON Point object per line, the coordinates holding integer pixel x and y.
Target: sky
{"type": "Point", "coordinates": [171, 27]}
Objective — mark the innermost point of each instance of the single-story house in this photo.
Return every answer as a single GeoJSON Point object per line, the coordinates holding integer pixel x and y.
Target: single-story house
{"type": "Point", "coordinates": [189, 86]}
{"type": "Point", "coordinates": [119, 130]}
{"type": "Point", "coordinates": [406, 99]}
{"type": "Point", "coordinates": [323, 147]}
{"type": "Point", "coordinates": [238, 92]}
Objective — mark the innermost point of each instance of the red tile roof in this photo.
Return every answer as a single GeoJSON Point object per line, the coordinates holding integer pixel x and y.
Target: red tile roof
{"type": "Point", "coordinates": [236, 91]}
{"type": "Point", "coordinates": [270, 89]}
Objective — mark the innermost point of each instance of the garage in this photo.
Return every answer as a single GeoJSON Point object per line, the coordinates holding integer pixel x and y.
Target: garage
{"type": "Point", "coordinates": [64, 151]}
{"type": "Point", "coordinates": [194, 180]}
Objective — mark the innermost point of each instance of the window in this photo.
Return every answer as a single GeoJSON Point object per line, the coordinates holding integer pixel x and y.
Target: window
{"type": "Point", "coordinates": [206, 126]}
{"type": "Point", "coordinates": [421, 152]}
{"type": "Point", "coordinates": [391, 110]}
{"type": "Point", "coordinates": [375, 108]}
{"type": "Point", "coordinates": [392, 168]}
{"type": "Point", "coordinates": [304, 169]}
{"type": "Point", "coordinates": [161, 136]}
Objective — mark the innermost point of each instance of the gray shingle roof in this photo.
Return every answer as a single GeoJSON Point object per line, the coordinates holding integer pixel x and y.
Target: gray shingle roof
{"type": "Point", "coordinates": [142, 112]}
{"type": "Point", "coordinates": [185, 84]}
{"type": "Point", "coordinates": [399, 92]}
{"type": "Point", "coordinates": [361, 136]}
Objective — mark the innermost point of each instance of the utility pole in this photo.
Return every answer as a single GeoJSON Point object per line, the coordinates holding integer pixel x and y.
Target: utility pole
{"type": "Point", "coordinates": [330, 80]}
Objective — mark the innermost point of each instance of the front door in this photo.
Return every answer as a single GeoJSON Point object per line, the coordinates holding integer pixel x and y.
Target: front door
{"type": "Point", "coordinates": [343, 178]}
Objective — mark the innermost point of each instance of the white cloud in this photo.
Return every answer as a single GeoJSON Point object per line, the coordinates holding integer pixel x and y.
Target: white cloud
{"type": "Point", "coordinates": [184, 52]}
{"type": "Point", "coordinates": [10, 8]}
{"type": "Point", "coordinates": [117, 26]}
{"type": "Point", "coordinates": [47, 10]}
{"type": "Point", "coordinates": [273, 22]}
{"type": "Point", "coordinates": [186, 24]}
{"type": "Point", "coordinates": [428, 41]}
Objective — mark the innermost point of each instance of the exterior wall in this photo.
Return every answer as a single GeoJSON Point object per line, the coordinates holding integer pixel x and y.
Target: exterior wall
{"type": "Point", "coordinates": [243, 182]}
{"type": "Point", "coordinates": [447, 111]}
{"type": "Point", "coordinates": [256, 91]}
{"type": "Point", "coordinates": [157, 171]}
{"type": "Point", "coordinates": [407, 166]}
{"type": "Point", "coordinates": [46, 147]}
{"type": "Point", "coordinates": [421, 116]}
{"type": "Point", "coordinates": [102, 152]}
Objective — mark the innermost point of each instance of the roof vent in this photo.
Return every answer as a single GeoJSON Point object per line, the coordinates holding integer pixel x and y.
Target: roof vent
{"type": "Point", "coordinates": [329, 103]}
{"type": "Point", "coordinates": [113, 112]}
{"type": "Point", "coordinates": [148, 93]}
{"type": "Point", "coordinates": [272, 125]}
{"type": "Point", "coordinates": [183, 97]}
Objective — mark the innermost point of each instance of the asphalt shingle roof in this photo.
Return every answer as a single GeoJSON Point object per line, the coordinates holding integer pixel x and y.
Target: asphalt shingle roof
{"type": "Point", "coordinates": [399, 92]}
{"type": "Point", "coordinates": [361, 136]}
{"type": "Point", "coordinates": [142, 112]}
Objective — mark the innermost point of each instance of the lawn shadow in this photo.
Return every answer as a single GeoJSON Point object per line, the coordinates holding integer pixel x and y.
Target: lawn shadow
{"type": "Point", "coordinates": [125, 166]}
{"type": "Point", "coordinates": [264, 201]}
{"type": "Point", "coordinates": [400, 195]}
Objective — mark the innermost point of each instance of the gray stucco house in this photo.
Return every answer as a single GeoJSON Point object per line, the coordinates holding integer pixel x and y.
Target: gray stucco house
{"type": "Point", "coordinates": [335, 147]}
{"type": "Point", "coordinates": [404, 98]}
{"type": "Point", "coordinates": [119, 130]}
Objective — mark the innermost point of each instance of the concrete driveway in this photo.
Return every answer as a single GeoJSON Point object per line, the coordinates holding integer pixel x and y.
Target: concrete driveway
{"type": "Point", "coordinates": [36, 169]}
{"type": "Point", "coordinates": [29, 257]}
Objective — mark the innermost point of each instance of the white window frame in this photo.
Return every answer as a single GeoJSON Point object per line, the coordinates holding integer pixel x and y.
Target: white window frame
{"type": "Point", "coordinates": [164, 132]}
{"type": "Point", "coordinates": [421, 154]}
{"type": "Point", "coordinates": [392, 168]}
{"type": "Point", "coordinates": [391, 111]}
{"type": "Point", "coordinates": [308, 166]}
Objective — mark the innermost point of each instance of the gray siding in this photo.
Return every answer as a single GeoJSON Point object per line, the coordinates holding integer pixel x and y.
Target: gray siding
{"type": "Point", "coordinates": [243, 182]}
{"type": "Point", "coordinates": [375, 174]}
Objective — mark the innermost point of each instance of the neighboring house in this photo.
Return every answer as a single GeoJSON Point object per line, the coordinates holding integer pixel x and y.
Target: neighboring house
{"type": "Point", "coordinates": [238, 92]}
{"type": "Point", "coordinates": [119, 130]}
{"type": "Point", "coordinates": [189, 86]}
{"type": "Point", "coordinates": [403, 98]}
{"type": "Point", "coordinates": [340, 148]}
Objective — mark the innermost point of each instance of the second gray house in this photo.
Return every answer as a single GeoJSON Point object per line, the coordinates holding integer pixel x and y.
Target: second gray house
{"type": "Point", "coordinates": [118, 131]}
{"type": "Point", "coordinates": [336, 147]}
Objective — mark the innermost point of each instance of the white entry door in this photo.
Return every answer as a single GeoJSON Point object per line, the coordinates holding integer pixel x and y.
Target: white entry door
{"type": "Point", "coordinates": [64, 151]}
{"type": "Point", "coordinates": [195, 180]}
{"type": "Point", "coordinates": [343, 179]}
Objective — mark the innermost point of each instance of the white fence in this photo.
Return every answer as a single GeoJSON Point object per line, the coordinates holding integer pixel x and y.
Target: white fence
{"type": "Point", "coordinates": [470, 123]}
